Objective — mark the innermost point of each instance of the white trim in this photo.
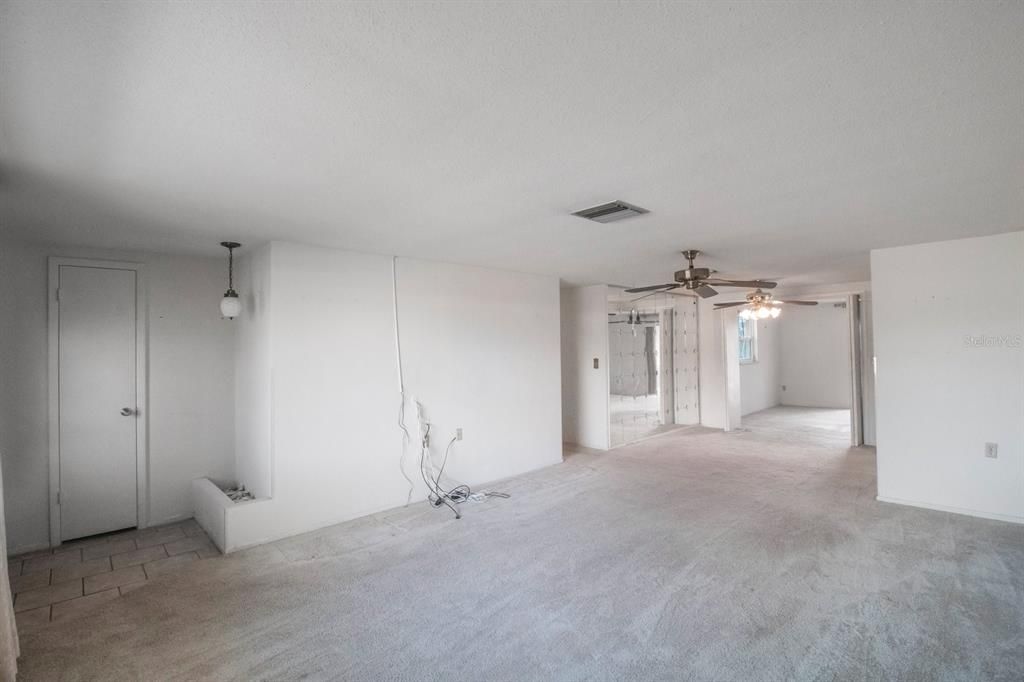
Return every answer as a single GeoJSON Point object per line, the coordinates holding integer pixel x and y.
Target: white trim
{"type": "Point", "coordinates": [952, 510]}
{"type": "Point", "coordinates": [727, 372]}
{"type": "Point", "coordinates": [53, 397]}
{"type": "Point", "coordinates": [607, 357]}
{"type": "Point", "coordinates": [753, 342]}
{"type": "Point", "coordinates": [141, 384]}
{"type": "Point", "coordinates": [856, 386]}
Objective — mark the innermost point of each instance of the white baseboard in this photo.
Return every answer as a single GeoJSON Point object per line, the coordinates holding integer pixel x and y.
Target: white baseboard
{"type": "Point", "coordinates": [952, 510]}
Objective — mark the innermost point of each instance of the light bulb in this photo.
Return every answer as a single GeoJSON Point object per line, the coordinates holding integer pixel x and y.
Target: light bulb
{"type": "Point", "coordinates": [776, 312]}
{"type": "Point", "coordinates": [230, 305]}
{"type": "Point", "coordinates": [763, 313]}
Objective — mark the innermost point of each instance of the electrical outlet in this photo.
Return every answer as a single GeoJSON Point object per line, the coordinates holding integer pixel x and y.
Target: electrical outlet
{"type": "Point", "coordinates": [992, 450]}
{"type": "Point", "coordinates": [458, 434]}
{"type": "Point", "coordinates": [596, 364]}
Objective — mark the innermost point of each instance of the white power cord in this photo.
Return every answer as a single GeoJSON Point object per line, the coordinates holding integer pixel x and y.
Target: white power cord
{"type": "Point", "coordinates": [431, 476]}
{"type": "Point", "coordinates": [401, 380]}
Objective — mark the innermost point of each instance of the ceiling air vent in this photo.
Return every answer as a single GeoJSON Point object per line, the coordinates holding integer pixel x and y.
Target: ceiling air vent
{"type": "Point", "coordinates": [610, 212]}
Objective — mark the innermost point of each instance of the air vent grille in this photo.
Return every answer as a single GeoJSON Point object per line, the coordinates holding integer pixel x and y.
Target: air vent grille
{"type": "Point", "coordinates": [610, 212]}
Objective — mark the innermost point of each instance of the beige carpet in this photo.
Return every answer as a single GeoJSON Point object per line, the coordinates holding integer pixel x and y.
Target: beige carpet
{"type": "Point", "coordinates": [812, 426]}
{"type": "Point", "coordinates": [696, 555]}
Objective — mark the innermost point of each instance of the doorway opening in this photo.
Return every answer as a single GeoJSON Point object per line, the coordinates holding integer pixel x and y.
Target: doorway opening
{"type": "Point", "coordinates": [799, 375]}
{"type": "Point", "coordinates": [652, 365]}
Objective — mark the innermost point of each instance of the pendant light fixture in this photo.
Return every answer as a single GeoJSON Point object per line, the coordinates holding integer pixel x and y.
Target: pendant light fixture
{"type": "Point", "coordinates": [230, 305]}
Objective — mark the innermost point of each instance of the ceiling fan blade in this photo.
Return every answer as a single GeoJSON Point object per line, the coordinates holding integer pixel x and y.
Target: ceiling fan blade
{"type": "Point", "coordinates": [746, 283]}
{"type": "Point", "coordinates": [648, 295]}
{"type": "Point", "coordinates": [800, 302]}
{"type": "Point", "coordinates": [719, 306]}
{"type": "Point", "coordinates": [704, 291]}
{"type": "Point", "coordinates": [640, 290]}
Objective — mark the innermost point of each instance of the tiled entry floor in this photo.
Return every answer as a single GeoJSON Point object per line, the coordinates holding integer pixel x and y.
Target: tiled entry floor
{"type": "Point", "coordinates": [79, 575]}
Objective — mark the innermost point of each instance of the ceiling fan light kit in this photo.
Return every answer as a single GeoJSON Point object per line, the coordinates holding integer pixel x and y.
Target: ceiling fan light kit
{"type": "Point", "coordinates": [760, 313]}
{"type": "Point", "coordinates": [760, 306]}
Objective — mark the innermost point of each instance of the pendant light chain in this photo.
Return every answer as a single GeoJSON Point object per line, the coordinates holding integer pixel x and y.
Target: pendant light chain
{"type": "Point", "coordinates": [231, 246]}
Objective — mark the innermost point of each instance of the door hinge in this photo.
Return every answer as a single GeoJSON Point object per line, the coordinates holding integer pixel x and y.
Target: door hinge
{"type": "Point", "coordinates": [58, 498]}
{"type": "Point", "coordinates": [57, 295]}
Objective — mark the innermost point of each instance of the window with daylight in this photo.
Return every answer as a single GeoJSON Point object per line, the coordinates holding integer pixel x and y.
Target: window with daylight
{"type": "Point", "coordinates": [748, 340]}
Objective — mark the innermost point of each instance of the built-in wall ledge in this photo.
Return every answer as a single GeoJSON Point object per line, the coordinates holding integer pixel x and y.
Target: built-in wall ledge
{"type": "Point", "coordinates": [218, 514]}
{"type": "Point", "coordinates": [210, 504]}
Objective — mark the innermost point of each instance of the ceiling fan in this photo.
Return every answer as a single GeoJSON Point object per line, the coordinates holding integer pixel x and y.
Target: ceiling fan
{"type": "Point", "coordinates": [761, 305]}
{"type": "Point", "coordinates": [700, 281]}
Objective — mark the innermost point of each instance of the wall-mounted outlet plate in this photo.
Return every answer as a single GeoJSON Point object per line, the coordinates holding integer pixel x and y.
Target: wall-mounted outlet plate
{"type": "Point", "coordinates": [458, 434]}
{"type": "Point", "coordinates": [992, 450]}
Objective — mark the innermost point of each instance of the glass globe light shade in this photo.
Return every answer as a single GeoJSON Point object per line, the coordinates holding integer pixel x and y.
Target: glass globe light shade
{"type": "Point", "coordinates": [230, 305]}
{"type": "Point", "coordinates": [763, 313]}
{"type": "Point", "coordinates": [776, 312]}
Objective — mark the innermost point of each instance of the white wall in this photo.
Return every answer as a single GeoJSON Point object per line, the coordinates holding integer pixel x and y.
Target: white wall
{"type": "Point", "coordinates": [950, 374]}
{"type": "Point", "coordinates": [23, 396]}
{"type": "Point", "coordinates": [191, 373]}
{"type": "Point", "coordinates": [253, 385]}
{"type": "Point", "coordinates": [190, 378]}
{"type": "Point", "coordinates": [584, 336]}
{"type": "Point", "coordinates": [760, 380]}
{"type": "Point", "coordinates": [720, 389]}
{"type": "Point", "coordinates": [480, 350]}
{"type": "Point", "coordinates": [815, 356]}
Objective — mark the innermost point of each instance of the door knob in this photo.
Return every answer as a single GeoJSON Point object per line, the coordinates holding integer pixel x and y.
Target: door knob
{"type": "Point", "coordinates": [127, 411]}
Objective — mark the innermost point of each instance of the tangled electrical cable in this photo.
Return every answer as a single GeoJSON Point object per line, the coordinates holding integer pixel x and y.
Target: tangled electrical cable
{"type": "Point", "coordinates": [438, 495]}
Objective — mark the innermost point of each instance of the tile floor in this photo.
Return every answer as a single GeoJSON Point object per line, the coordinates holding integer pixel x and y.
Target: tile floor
{"type": "Point", "coordinates": [66, 582]}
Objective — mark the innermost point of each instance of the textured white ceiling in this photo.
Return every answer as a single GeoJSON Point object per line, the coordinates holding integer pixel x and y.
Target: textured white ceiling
{"type": "Point", "coordinates": [786, 140]}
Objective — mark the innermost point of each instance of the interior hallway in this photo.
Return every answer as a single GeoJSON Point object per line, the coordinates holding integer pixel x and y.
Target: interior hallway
{"type": "Point", "coordinates": [695, 555]}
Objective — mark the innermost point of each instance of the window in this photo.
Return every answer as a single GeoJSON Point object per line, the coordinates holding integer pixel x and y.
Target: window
{"type": "Point", "coordinates": [748, 340]}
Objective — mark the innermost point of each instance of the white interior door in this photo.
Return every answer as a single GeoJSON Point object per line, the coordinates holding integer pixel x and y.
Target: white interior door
{"type": "Point", "coordinates": [97, 389]}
